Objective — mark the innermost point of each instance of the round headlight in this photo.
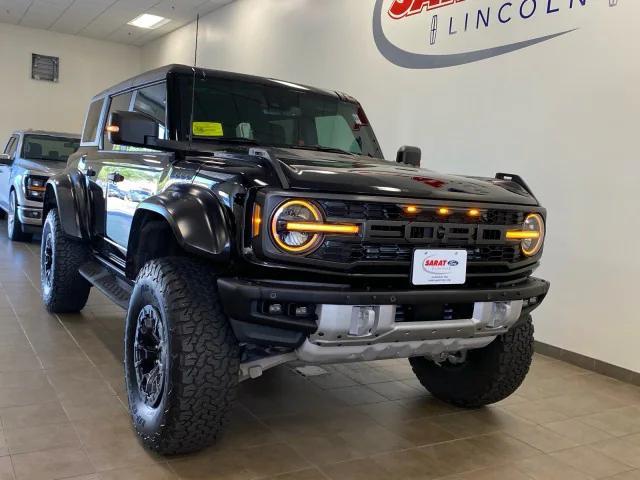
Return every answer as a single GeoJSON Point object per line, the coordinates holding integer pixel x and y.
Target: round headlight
{"type": "Point", "coordinates": [533, 223]}
{"type": "Point", "coordinates": [293, 211]}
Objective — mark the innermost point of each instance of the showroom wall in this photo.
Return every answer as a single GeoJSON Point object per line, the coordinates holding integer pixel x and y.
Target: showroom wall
{"type": "Point", "coordinates": [87, 66]}
{"type": "Point", "coordinates": [563, 113]}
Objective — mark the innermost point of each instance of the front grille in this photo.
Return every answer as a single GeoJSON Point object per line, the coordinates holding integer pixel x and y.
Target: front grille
{"type": "Point", "coordinates": [395, 212]}
{"type": "Point", "coordinates": [390, 235]}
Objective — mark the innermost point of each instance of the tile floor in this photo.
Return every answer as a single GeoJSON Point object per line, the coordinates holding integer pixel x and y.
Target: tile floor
{"type": "Point", "coordinates": [63, 413]}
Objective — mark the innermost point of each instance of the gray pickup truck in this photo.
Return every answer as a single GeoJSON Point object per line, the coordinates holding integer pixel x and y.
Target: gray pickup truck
{"type": "Point", "coordinates": [29, 158]}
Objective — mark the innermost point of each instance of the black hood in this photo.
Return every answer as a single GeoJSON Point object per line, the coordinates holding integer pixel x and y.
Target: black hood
{"type": "Point", "coordinates": [336, 173]}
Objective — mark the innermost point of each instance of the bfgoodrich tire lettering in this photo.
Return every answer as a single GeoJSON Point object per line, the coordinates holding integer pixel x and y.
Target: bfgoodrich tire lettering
{"type": "Point", "coordinates": [64, 290]}
{"type": "Point", "coordinates": [487, 376]}
{"type": "Point", "coordinates": [201, 357]}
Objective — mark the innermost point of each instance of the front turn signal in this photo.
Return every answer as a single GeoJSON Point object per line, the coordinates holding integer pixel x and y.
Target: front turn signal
{"type": "Point", "coordinates": [256, 220]}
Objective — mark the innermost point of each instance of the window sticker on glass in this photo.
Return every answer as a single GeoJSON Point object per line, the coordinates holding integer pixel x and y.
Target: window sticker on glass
{"type": "Point", "coordinates": [208, 129]}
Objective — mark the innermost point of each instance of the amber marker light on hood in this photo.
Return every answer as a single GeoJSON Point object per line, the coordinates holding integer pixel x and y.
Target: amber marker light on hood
{"type": "Point", "coordinates": [443, 211]}
{"type": "Point", "coordinates": [112, 128]}
{"type": "Point", "coordinates": [314, 227]}
{"type": "Point", "coordinates": [474, 212]}
{"type": "Point", "coordinates": [411, 209]}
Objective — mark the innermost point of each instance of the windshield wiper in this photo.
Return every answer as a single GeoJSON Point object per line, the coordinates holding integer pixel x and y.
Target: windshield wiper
{"type": "Point", "coordinates": [232, 140]}
{"type": "Point", "coordinates": [320, 148]}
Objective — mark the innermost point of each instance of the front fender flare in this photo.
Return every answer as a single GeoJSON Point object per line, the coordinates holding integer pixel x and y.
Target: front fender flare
{"type": "Point", "coordinates": [196, 217]}
{"type": "Point", "coordinates": [67, 192]}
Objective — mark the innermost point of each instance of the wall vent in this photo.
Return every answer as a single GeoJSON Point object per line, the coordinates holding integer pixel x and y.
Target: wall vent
{"type": "Point", "coordinates": [45, 68]}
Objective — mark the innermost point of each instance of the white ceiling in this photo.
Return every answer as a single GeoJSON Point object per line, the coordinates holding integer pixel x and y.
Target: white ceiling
{"type": "Point", "coordinates": [104, 19]}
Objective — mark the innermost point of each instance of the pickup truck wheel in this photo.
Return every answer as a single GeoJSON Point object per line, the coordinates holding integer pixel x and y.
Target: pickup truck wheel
{"type": "Point", "coordinates": [182, 359]}
{"type": "Point", "coordinates": [14, 227]}
{"type": "Point", "coordinates": [64, 290]}
{"type": "Point", "coordinates": [487, 375]}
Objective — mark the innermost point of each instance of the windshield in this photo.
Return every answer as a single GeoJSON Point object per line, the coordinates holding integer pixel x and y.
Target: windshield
{"type": "Point", "coordinates": [44, 147]}
{"type": "Point", "coordinates": [282, 116]}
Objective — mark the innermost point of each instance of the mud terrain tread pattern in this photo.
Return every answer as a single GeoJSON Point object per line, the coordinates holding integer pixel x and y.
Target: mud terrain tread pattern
{"type": "Point", "coordinates": [205, 356]}
{"type": "Point", "coordinates": [498, 371]}
{"type": "Point", "coordinates": [70, 291]}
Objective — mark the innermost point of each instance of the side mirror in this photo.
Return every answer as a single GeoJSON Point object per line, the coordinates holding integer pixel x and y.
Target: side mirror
{"type": "Point", "coordinates": [5, 159]}
{"type": "Point", "coordinates": [409, 156]}
{"type": "Point", "coordinates": [131, 128]}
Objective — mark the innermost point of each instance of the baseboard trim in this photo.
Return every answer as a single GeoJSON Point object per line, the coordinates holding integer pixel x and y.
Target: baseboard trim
{"type": "Point", "coordinates": [588, 363]}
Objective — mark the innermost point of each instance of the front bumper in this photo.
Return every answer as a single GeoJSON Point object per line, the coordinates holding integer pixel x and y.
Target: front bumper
{"type": "Point", "coordinates": [333, 334]}
{"type": "Point", "coordinates": [240, 295]}
{"type": "Point", "coordinates": [30, 216]}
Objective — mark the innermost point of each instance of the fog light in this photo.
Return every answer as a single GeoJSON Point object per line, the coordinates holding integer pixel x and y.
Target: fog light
{"type": "Point", "coordinates": [363, 321]}
{"type": "Point", "coordinates": [275, 309]}
{"type": "Point", "coordinates": [499, 314]}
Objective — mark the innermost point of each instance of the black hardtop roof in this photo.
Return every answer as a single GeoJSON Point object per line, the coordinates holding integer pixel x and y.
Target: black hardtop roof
{"type": "Point", "coordinates": [161, 73]}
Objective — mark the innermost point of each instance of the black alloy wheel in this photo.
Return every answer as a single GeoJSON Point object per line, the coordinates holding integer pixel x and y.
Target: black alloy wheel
{"type": "Point", "coordinates": [150, 356]}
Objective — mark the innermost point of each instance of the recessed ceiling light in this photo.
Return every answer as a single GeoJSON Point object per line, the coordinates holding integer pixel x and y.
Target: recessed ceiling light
{"type": "Point", "coordinates": [148, 21]}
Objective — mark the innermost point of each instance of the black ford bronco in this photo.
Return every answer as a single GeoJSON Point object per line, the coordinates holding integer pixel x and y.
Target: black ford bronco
{"type": "Point", "coordinates": [245, 222]}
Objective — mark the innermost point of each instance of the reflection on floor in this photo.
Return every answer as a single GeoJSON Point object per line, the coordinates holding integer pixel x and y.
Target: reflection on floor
{"type": "Point", "coordinates": [63, 412]}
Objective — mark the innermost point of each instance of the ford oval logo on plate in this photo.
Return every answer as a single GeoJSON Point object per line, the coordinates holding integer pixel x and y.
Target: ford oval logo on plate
{"type": "Point", "coordinates": [453, 263]}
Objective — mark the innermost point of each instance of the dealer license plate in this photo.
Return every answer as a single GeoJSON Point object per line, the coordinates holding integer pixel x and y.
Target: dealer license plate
{"type": "Point", "coordinates": [439, 267]}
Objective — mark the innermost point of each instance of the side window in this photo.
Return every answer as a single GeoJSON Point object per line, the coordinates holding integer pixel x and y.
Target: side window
{"type": "Point", "coordinates": [118, 103]}
{"type": "Point", "coordinates": [11, 146]}
{"type": "Point", "coordinates": [91, 122]}
{"type": "Point", "coordinates": [153, 102]}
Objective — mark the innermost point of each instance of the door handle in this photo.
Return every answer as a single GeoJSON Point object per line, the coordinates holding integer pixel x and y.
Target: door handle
{"type": "Point", "coordinates": [115, 177]}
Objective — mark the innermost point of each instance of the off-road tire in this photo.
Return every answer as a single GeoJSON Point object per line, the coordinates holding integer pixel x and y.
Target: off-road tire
{"type": "Point", "coordinates": [202, 359]}
{"type": "Point", "coordinates": [15, 229]}
{"type": "Point", "coordinates": [64, 290]}
{"type": "Point", "coordinates": [488, 374]}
